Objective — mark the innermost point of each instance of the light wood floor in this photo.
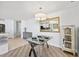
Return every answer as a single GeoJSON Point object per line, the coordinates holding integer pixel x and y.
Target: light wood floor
{"type": "Point", "coordinates": [16, 42]}
{"type": "Point", "coordinates": [41, 51]}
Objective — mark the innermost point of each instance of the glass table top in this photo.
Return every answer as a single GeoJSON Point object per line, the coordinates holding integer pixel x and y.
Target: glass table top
{"type": "Point", "coordinates": [37, 40]}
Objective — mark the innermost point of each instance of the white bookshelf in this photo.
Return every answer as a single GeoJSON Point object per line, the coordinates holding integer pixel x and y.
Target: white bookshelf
{"type": "Point", "coordinates": [69, 38]}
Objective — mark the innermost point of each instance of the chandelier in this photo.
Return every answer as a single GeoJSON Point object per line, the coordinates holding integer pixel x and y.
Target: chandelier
{"type": "Point", "coordinates": [40, 16]}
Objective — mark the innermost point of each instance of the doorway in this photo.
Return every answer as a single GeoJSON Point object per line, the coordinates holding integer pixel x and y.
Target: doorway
{"type": "Point", "coordinates": [18, 28]}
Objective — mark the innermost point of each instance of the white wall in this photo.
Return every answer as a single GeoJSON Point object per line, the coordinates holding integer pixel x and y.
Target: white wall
{"type": "Point", "coordinates": [2, 22]}
{"type": "Point", "coordinates": [9, 26]}
{"type": "Point", "coordinates": [67, 17]}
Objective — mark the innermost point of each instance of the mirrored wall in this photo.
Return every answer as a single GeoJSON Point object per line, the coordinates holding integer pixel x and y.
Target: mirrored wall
{"type": "Point", "coordinates": [50, 25]}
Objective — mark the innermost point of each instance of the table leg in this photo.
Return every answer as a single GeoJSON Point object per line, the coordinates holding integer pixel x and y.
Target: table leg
{"type": "Point", "coordinates": [47, 45]}
{"type": "Point", "coordinates": [32, 49]}
{"type": "Point", "coordinates": [34, 53]}
{"type": "Point", "coordinates": [30, 52]}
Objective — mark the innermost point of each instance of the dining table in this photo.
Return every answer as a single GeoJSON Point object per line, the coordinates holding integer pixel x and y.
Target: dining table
{"type": "Point", "coordinates": [35, 41]}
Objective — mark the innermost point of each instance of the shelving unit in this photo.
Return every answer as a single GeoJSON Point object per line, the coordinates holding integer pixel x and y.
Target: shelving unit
{"type": "Point", "coordinates": [69, 38]}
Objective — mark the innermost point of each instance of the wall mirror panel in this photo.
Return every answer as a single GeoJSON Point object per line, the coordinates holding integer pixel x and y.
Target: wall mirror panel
{"type": "Point", "coordinates": [50, 25]}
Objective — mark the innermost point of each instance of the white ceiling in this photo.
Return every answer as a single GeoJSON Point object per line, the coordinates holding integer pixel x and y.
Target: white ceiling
{"type": "Point", "coordinates": [27, 9]}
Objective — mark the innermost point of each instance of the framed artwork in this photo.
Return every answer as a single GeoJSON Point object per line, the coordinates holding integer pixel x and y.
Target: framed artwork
{"type": "Point", "coordinates": [50, 25]}
{"type": "Point", "coordinates": [45, 27]}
